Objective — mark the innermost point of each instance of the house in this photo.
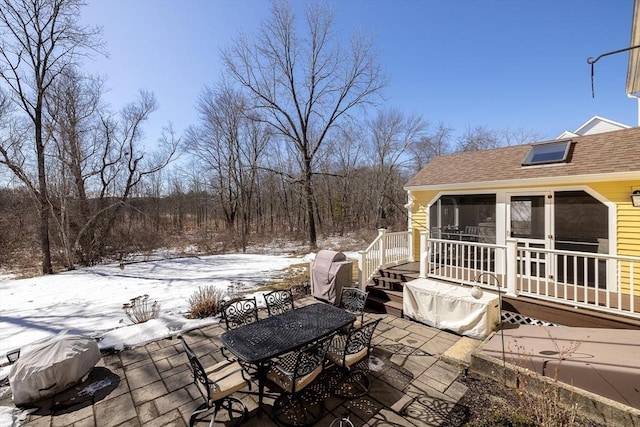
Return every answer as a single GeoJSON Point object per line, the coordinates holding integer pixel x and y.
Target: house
{"type": "Point", "coordinates": [551, 224]}
{"type": "Point", "coordinates": [594, 125]}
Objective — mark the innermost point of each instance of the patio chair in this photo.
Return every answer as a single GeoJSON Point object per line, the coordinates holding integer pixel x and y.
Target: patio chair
{"type": "Point", "coordinates": [345, 352]}
{"type": "Point", "coordinates": [353, 300]}
{"type": "Point", "coordinates": [279, 301]}
{"type": "Point", "coordinates": [299, 405]}
{"type": "Point", "coordinates": [239, 312]}
{"type": "Point", "coordinates": [216, 385]}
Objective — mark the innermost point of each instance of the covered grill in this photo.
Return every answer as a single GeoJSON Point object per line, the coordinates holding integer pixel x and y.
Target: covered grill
{"type": "Point", "coordinates": [330, 271]}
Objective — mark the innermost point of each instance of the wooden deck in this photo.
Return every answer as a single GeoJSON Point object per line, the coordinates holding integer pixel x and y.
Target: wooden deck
{"type": "Point", "coordinates": [386, 296]}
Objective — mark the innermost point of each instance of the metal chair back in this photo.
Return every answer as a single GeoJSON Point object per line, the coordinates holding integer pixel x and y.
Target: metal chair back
{"type": "Point", "coordinates": [353, 300]}
{"type": "Point", "coordinates": [239, 312]}
{"type": "Point", "coordinates": [279, 301]}
{"type": "Point", "coordinates": [200, 378]}
{"type": "Point", "coordinates": [297, 365]}
{"type": "Point", "coordinates": [358, 340]}
{"type": "Point", "coordinates": [217, 387]}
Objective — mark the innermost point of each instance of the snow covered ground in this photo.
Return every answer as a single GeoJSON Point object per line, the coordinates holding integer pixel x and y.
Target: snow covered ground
{"type": "Point", "coordinates": [89, 301]}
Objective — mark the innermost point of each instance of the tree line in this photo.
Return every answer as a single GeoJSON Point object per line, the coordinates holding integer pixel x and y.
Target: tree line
{"type": "Point", "coordinates": [294, 139]}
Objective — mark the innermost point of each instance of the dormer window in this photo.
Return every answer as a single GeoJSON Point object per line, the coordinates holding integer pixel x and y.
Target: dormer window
{"type": "Point", "coordinates": [547, 152]}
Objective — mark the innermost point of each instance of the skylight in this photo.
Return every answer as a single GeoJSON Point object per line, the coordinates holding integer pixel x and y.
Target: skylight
{"type": "Point", "coordinates": [548, 152]}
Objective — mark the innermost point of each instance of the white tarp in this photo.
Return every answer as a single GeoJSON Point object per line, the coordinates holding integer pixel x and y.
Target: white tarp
{"type": "Point", "coordinates": [451, 307]}
{"type": "Point", "coordinates": [50, 366]}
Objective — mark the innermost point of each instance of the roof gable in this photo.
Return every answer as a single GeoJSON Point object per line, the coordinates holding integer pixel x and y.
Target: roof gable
{"type": "Point", "coordinates": [595, 124]}
{"type": "Point", "coordinates": [603, 153]}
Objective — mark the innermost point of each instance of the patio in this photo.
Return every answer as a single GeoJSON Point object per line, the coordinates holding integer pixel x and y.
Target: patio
{"type": "Point", "coordinates": [412, 384]}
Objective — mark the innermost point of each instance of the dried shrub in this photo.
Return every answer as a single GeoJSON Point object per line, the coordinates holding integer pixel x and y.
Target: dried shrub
{"type": "Point", "coordinates": [139, 309]}
{"type": "Point", "coordinates": [502, 420]}
{"type": "Point", "coordinates": [205, 302]}
{"type": "Point", "coordinates": [541, 399]}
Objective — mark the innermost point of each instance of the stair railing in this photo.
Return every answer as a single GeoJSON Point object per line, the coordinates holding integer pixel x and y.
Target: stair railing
{"type": "Point", "coordinates": [386, 249]}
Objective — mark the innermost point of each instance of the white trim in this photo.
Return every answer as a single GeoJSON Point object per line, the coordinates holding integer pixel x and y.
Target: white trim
{"type": "Point", "coordinates": [602, 119]}
{"type": "Point", "coordinates": [493, 185]}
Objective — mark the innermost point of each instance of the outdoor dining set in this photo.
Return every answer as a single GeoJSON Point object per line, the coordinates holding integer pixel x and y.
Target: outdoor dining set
{"type": "Point", "coordinates": [289, 349]}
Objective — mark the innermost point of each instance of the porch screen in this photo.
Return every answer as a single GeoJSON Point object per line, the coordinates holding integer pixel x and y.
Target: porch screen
{"type": "Point", "coordinates": [581, 225]}
{"type": "Point", "coordinates": [581, 222]}
{"type": "Point", "coordinates": [469, 217]}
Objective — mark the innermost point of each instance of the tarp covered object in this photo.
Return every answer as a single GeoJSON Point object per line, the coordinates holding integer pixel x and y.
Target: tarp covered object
{"type": "Point", "coordinates": [451, 307]}
{"type": "Point", "coordinates": [330, 271]}
{"type": "Point", "coordinates": [50, 366]}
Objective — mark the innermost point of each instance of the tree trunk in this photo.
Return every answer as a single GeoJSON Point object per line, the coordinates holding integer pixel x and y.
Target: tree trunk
{"type": "Point", "coordinates": [313, 241]}
{"type": "Point", "coordinates": [43, 198]}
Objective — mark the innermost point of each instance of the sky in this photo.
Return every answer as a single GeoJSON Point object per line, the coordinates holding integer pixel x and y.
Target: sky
{"type": "Point", "coordinates": [518, 64]}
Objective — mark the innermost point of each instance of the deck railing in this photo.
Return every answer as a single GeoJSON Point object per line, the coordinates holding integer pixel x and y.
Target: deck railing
{"type": "Point", "coordinates": [386, 249]}
{"type": "Point", "coordinates": [600, 282]}
{"type": "Point", "coordinates": [465, 262]}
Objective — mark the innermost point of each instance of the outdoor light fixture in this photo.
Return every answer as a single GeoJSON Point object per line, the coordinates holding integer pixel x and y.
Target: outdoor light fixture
{"type": "Point", "coordinates": [635, 199]}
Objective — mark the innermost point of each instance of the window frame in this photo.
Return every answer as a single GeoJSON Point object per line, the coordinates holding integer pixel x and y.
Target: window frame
{"type": "Point", "coordinates": [536, 149]}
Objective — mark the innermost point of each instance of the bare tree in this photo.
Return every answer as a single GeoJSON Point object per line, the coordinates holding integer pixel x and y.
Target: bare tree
{"type": "Point", "coordinates": [478, 138]}
{"type": "Point", "coordinates": [519, 136]}
{"type": "Point", "coordinates": [434, 143]}
{"type": "Point", "coordinates": [392, 135]}
{"type": "Point", "coordinates": [229, 143]}
{"type": "Point", "coordinates": [73, 109]}
{"type": "Point", "coordinates": [483, 138]}
{"type": "Point", "coordinates": [345, 154]}
{"type": "Point", "coordinates": [123, 166]}
{"type": "Point", "coordinates": [304, 84]}
{"type": "Point", "coordinates": [100, 163]}
{"type": "Point", "coordinates": [39, 39]}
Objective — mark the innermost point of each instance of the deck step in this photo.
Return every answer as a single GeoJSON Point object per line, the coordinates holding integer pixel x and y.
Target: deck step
{"type": "Point", "coordinates": [388, 283]}
{"type": "Point", "coordinates": [378, 305]}
{"type": "Point", "coordinates": [384, 295]}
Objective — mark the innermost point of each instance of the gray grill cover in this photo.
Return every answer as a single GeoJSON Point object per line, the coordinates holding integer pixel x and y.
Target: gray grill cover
{"type": "Point", "coordinates": [50, 366]}
{"type": "Point", "coordinates": [330, 271]}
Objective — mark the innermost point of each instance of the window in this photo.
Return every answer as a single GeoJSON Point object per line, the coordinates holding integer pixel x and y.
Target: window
{"type": "Point", "coordinates": [548, 152]}
{"type": "Point", "coordinates": [527, 217]}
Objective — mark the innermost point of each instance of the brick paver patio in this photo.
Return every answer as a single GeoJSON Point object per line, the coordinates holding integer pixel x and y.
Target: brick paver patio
{"type": "Point", "coordinates": [152, 385]}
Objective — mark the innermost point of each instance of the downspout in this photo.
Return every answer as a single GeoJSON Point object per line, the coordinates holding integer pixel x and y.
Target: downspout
{"type": "Point", "coordinates": [637, 97]}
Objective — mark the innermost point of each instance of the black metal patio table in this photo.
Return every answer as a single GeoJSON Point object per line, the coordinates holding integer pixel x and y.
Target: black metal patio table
{"type": "Point", "coordinates": [258, 343]}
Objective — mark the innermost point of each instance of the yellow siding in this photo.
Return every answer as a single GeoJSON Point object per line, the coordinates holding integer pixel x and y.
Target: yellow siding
{"type": "Point", "coordinates": [419, 215]}
{"type": "Point", "coordinates": [628, 217]}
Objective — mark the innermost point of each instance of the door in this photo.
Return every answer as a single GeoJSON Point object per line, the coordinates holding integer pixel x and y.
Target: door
{"type": "Point", "coordinates": [529, 221]}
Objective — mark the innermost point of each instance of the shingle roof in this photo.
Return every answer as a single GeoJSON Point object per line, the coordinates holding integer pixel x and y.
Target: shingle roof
{"type": "Point", "coordinates": [610, 152]}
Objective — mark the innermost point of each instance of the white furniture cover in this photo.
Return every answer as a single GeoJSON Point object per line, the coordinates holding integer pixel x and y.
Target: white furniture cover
{"type": "Point", "coordinates": [50, 366]}
{"type": "Point", "coordinates": [451, 307]}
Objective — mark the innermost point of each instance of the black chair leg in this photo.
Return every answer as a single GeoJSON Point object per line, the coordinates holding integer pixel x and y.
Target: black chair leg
{"type": "Point", "coordinates": [199, 410]}
{"type": "Point", "coordinates": [236, 410]}
{"type": "Point", "coordinates": [352, 385]}
{"type": "Point", "coordinates": [299, 410]}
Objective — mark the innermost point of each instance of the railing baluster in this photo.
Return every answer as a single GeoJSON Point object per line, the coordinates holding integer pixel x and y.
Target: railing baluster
{"type": "Point", "coordinates": [540, 273]}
